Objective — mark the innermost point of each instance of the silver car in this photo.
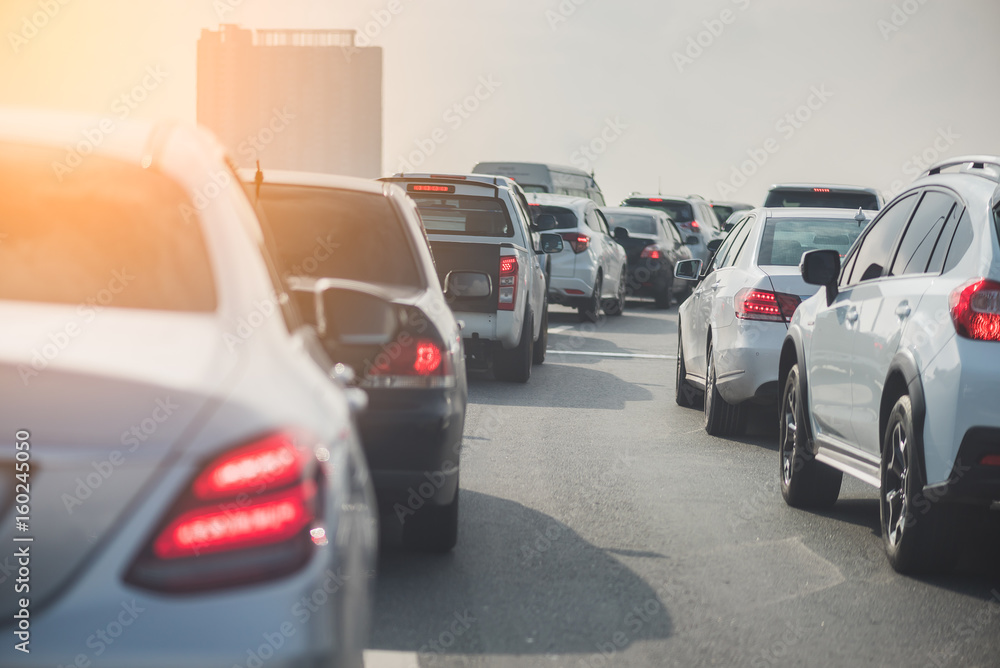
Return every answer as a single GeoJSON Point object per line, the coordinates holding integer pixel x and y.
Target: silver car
{"type": "Point", "coordinates": [731, 328]}
{"type": "Point", "coordinates": [181, 483]}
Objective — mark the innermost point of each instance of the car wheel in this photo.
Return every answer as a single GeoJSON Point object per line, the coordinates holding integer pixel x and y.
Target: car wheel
{"type": "Point", "coordinates": [686, 394]}
{"type": "Point", "coordinates": [921, 535]}
{"type": "Point", "coordinates": [616, 306]}
{"type": "Point", "coordinates": [664, 296]}
{"type": "Point", "coordinates": [538, 355]}
{"type": "Point", "coordinates": [433, 528]}
{"type": "Point", "coordinates": [592, 310]}
{"type": "Point", "coordinates": [515, 365]}
{"type": "Point", "coordinates": [721, 417]}
{"type": "Point", "coordinates": [805, 482]}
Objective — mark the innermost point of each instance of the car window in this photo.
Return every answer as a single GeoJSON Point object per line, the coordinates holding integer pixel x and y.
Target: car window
{"type": "Point", "coordinates": [961, 242]}
{"type": "Point", "coordinates": [593, 222]}
{"type": "Point", "coordinates": [744, 247]}
{"type": "Point", "coordinates": [115, 233]}
{"type": "Point", "coordinates": [720, 254]}
{"type": "Point", "coordinates": [678, 210]}
{"type": "Point", "coordinates": [633, 222]}
{"type": "Point", "coordinates": [738, 242]}
{"type": "Point", "coordinates": [334, 233]}
{"type": "Point", "coordinates": [924, 233]}
{"type": "Point", "coordinates": [821, 198]}
{"type": "Point", "coordinates": [464, 215]}
{"type": "Point", "coordinates": [603, 222]}
{"type": "Point", "coordinates": [785, 240]}
{"type": "Point", "coordinates": [565, 218]}
{"type": "Point", "coordinates": [876, 246]}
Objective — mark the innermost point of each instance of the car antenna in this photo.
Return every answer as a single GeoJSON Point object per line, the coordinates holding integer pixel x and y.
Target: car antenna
{"type": "Point", "coordinates": [659, 185]}
{"type": "Point", "coordinates": [860, 217]}
{"type": "Point", "coordinates": [258, 179]}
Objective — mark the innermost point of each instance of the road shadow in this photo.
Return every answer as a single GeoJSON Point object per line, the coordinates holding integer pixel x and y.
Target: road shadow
{"type": "Point", "coordinates": [555, 385]}
{"type": "Point", "coordinates": [519, 582]}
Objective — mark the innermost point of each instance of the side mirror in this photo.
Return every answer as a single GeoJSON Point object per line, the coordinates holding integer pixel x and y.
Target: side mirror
{"type": "Point", "coordinates": [467, 284]}
{"type": "Point", "coordinates": [692, 240]}
{"type": "Point", "coordinates": [551, 243]}
{"type": "Point", "coordinates": [821, 267]}
{"type": "Point", "coordinates": [688, 270]}
{"type": "Point", "coordinates": [621, 233]}
{"type": "Point", "coordinates": [545, 222]}
{"type": "Point", "coordinates": [355, 318]}
{"type": "Point", "coordinates": [713, 245]}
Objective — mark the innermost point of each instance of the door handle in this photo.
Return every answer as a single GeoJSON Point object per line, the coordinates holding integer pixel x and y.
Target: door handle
{"type": "Point", "coordinates": [714, 287]}
{"type": "Point", "coordinates": [852, 315]}
{"type": "Point", "coordinates": [903, 310]}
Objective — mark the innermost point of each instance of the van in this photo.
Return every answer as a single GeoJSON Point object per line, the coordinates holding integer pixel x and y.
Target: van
{"type": "Point", "coordinates": [536, 177]}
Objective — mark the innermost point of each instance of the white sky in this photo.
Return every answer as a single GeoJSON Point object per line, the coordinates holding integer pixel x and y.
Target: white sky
{"type": "Point", "coordinates": [892, 94]}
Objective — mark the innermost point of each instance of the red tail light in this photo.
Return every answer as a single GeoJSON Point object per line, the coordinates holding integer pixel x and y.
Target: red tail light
{"type": "Point", "coordinates": [990, 460]}
{"type": "Point", "coordinates": [655, 199]}
{"type": "Point", "coordinates": [410, 363]}
{"type": "Point", "coordinates": [508, 283]}
{"type": "Point", "coordinates": [271, 462]}
{"type": "Point", "coordinates": [821, 190]}
{"type": "Point", "coordinates": [578, 242]}
{"type": "Point", "coordinates": [975, 310]}
{"type": "Point", "coordinates": [695, 225]}
{"type": "Point", "coordinates": [751, 304]}
{"type": "Point", "coordinates": [652, 252]}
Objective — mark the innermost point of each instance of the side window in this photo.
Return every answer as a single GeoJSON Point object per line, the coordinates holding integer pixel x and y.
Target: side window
{"type": "Point", "coordinates": [961, 242]}
{"type": "Point", "coordinates": [738, 242]}
{"type": "Point", "coordinates": [876, 246]}
{"type": "Point", "coordinates": [603, 222]}
{"type": "Point", "coordinates": [924, 233]}
{"type": "Point", "coordinates": [720, 254]}
{"type": "Point", "coordinates": [744, 245]}
{"type": "Point", "coordinates": [592, 221]}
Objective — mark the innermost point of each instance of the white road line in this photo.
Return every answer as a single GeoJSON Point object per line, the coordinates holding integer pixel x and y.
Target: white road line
{"type": "Point", "coordinates": [634, 356]}
{"type": "Point", "coordinates": [560, 329]}
{"type": "Point", "coordinates": [377, 658]}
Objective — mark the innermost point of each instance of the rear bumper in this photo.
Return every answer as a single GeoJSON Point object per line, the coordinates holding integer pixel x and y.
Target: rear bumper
{"type": "Point", "coordinates": [647, 279]}
{"type": "Point", "coordinates": [970, 481]}
{"type": "Point", "coordinates": [746, 361]}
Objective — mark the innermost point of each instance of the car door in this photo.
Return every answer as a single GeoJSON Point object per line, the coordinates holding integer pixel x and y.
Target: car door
{"type": "Point", "coordinates": [617, 259]}
{"type": "Point", "coordinates": [831, 363]}
{"type": "Point", "coordinates": [536, 270]}
{"type": "Point", "coordinates": [886, 305]}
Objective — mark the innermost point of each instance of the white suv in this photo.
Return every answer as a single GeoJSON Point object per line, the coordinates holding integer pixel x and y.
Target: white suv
{"type": "Point", "coordinates": [891, 373]}
{"type": "Point", "coordinates": [591, 271]}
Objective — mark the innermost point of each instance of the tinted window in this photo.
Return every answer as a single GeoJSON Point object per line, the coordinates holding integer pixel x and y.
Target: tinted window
{"type": "Point", "coordinates": [960, 244]}
{"type": "Point", "coordinates": [533, 189]}
{"type": "Point", "coordinates": [458, 214]}
{"type": "Point", "coordinates": [738, 242]}
{"type": "Point", "coordinates": [593, 222]}
{"type": "Point", "coordinates": [720, 254]}
{"type": "Point", "coordinates": [338, 234]}
{"type": "Point", "coordinates": [785, 239]}
{"type": "Point", "coordinates": [638, 224]}
{"type": "Point", "coordinates": [565, 218]}
{"type": "Point", "coordinates": [924, 233]}
{"type": "Point", "coordinates": [876, 246]}
{"type": "Point", "coordinates": [679, 211]}
{"type": "Point", "coordinates": [781, 197]}
{"type": "Point", "coordinates": [110, 233]}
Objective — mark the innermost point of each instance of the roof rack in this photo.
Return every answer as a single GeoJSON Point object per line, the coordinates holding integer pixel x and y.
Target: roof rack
{"type": "Point", "coordinates": [971, 164]}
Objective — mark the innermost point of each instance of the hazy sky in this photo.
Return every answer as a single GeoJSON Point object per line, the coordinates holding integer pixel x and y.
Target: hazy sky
{"type": "Point", "coordinates": [682, 93]}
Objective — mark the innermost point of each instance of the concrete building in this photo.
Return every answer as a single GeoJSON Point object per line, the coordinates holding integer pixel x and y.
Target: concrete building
{"type": "Point", "coordinates": [308, 100]}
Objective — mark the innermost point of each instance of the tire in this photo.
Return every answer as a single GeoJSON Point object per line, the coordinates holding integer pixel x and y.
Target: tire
{"type": "Point", "coordinates": [686, 395]}
{"type": "Point", "coordinates": [538, 354]}
{"type": "Point", "coordinates": [721, 417]}
{"type": "Point", "coordinates": [805, 482]}
{"type": "Point", "coordinates": [664, 296]}
{"type": "Point", "coordinates": [433, 528]}
{"type": "Point", "coordinates": [616, 306]}
{"type": "Point", "coordinates": [921, 535]}
{"type": "Point", "coordinates": [592, 310]}
{"type": "Point", "coordinates": [515, 365]}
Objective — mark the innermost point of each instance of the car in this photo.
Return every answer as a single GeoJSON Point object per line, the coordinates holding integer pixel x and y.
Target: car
{"type": "Point", "coordinates": [653, 246]}
{"type": "Point", "coordinates": [366, 238]}
{"type": "Point", "coordinates": [731, 329]}
{"type": "Point", "coordinates": [490, 266]}
{"type": "Point", "coordinates": [724, 210]}
{"type": "Point", "coordinates": [185, 462]}
{"type": "Point", "coordinates": [890, 372]}
{"type": "Point", "coordinates": [591, 271]}
{"type": "Point", "coordinates": [824, 195]}
{"type": "Point", "coordinates": [693, 215]}
{"type": "Point", "coordinates": [537, 177]}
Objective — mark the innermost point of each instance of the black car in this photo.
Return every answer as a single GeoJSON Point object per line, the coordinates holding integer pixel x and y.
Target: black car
{"type": "Point", "coordinates": [356, 258]}
{"type": "Point", "coordinates": [723, 210]}
{"type": "Point", "coordinates": [653, 245]}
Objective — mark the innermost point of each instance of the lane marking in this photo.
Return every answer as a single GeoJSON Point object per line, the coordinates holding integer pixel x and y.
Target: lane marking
{"type": "Point", "coordinates": [636, 356]}
{"type": "Point", "coordinates": [561, 329]}
{"type": "Point", "coordinates": [377, 658]}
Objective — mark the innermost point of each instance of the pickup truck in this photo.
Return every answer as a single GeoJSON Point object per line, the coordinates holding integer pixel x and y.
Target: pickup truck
{"type": "Point", "coordinates": [489, 264]}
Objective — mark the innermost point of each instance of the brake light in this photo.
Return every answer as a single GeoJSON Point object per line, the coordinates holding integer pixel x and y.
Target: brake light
{"type": "Point", "coordinates": [751, 304]}
{"type": "Point", "coordinates": [975, 310]}
{"type": "Point", "coordinates": [655, 199]}
{"type": "Point", "coordinates": [695, 224]}
{"type": "Point", "coordinates": [578, 242]}
{"type": "Point", "coordinates": [990, 460]}
{"type": "Point", "coordinates": [821, 190]}
{"type": "Point", "coordinates": [273, 461]}
{"type": "Point", "coordinates": [508, 283]}
{"type": "Point", "coordinates": [651, 252]}
{"type": "Point", "coordinates": [426, 188]}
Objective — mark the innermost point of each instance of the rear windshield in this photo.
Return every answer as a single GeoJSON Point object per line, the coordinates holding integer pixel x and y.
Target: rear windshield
{"type": "Point", "coordinates": [457, 214]}
{"type": "Point", "coordinates": [824, 200]}
{"type": "Point", "coordinates": [331, 233]}
{"type": "Point", "coordinates": [533, 189]}
{"type": "Point", "coordinates": [678, 210]}
{"type": "Point", "coordinates": [722, 212]}
{"type": "Point", "coordinates": [565, 218]}
{"type": "Point", "coordinates": [106, 234]}
{"type": "Point", "coordinates": [632, 222]}
{"type": "Point", "coordinates": [786, 239]}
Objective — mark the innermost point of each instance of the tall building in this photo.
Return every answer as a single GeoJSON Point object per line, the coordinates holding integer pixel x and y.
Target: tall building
{"type": "Point", "coordinates": [307, 100]}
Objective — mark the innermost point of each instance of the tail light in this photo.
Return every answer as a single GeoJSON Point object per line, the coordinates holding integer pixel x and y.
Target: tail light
{"type": "Point", "coordinates": [410, 363]}
{"type": "Point", "coordinates": [508, 283]}
{"type": "Point", "coordinates": [975, 310]}
{"type": "Point", "coordinates": [652, 252]}
{"type": "Point", "coordinates": [578, 242]}
{"type": "Point", "coordinates": [249, 515]}
{"type": "Point", "coordinates": [695, 225]}
{"type": "Point", "coordinates": [752, 304]}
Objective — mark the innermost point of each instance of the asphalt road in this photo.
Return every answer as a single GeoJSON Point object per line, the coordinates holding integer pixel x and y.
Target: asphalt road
{"type": "Point", "coordinates": [600, 525]}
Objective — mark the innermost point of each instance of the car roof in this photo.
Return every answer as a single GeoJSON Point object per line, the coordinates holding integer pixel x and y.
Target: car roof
{"type": "Point", "coordinates": [811, 212]}
{"type": "Point", "coordinates": [315, 179]}
{"type": "Point", "coordinates": [548, 165]}
{"type": "Point", "coordinates": [634, 210]}
{"type": "Point", "coordinates": [832, 186]}
{"type": "Point", "coordinates": [568, 201]}
{"type": "Point", "coordinates": [667, 198]}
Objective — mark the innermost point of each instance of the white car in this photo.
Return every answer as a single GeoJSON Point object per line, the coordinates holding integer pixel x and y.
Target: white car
{"type": "Point", "coordinates": [187, 475]}
{"type": "Point", "coordinates": [731, 328]}
{"type": "Point", "coordinates": [891, 373]}
{"type": "Point", "coordinates": [591, 271]}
